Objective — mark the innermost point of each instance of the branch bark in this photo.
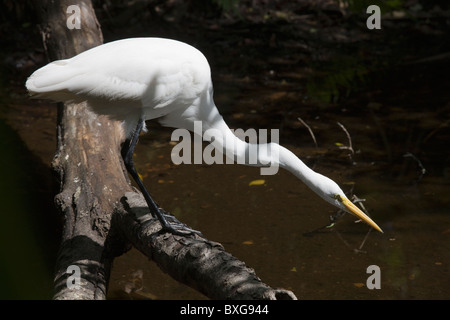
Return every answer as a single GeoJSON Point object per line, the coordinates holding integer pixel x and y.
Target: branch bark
{"type": "Point", "coordinates": [195, 261]}
{"type": "Point", "coordinates": [102, 212]}
{"type": "Point", "coordinates": [86, 162]}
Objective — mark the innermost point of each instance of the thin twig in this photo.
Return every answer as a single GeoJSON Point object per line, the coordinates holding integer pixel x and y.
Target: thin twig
{"type": "Point", "coordinates": [349, 147]}
{"type": "Point", "coordinates": [335, 217]}
{"type": "Point", "coordinates": [419, 163]}
{"type": "Point", "coordinates": [360, 201]}
{"type": "Point", "coordinates": [309, 129]}
{"type": "Point", "coordinates": [359, 250]}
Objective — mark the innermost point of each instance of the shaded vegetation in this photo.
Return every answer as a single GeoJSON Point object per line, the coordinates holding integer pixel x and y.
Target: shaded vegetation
{"type": "Point", "coordinates": [273, 62]}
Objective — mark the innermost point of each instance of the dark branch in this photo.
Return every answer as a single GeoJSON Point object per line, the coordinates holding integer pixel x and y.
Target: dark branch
{"type": "Point", "coordinates": [195, 261]}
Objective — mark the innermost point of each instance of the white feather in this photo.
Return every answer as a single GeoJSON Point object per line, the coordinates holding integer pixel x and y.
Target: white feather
{"type": "Point", "coordinates": [157, 78]}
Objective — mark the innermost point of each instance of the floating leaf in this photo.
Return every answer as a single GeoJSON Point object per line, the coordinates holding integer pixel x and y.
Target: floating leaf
{"type": "Point", "coordinates": [248, 242]}
{"type": "Point", "coordinates": [338, 144]}
{"type": "Point", "coordinates": [294, 269]}
{"type": "Point", "coordinates": [257, 182]}
{"type": "Point", "coordinates": [358, 284]}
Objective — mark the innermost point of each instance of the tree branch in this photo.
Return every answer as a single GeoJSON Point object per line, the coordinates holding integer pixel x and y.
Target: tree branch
{"type": "Point", "coordinates": [195, 261]}
{"type": "Point", "coordinates": [99, 221]}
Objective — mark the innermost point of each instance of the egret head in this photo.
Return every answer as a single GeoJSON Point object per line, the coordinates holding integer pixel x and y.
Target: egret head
{"type": "Point", "coordinates": [332, 193]}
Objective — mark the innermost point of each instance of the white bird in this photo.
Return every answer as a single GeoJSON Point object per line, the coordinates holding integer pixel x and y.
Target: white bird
{"type": "Point", "coordinates": [138, 79]}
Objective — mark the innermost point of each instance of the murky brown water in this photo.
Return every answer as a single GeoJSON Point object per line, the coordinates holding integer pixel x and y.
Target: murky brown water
{"type": "Point", "coordinates": [398, 112]}
{"type": "Point", "coordinates": [268, 226]}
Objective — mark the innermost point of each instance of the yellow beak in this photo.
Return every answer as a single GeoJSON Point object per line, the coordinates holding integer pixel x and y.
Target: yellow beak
{"type": "Point", "coordinates": [357, 212]}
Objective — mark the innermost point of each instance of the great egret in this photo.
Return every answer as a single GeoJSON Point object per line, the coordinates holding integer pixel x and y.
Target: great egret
{"type": "Point", "coordinates": [139, 79]}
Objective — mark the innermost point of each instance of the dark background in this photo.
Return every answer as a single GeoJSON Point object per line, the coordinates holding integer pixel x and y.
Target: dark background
{"type": "Point", "coordinates": [272, 62]}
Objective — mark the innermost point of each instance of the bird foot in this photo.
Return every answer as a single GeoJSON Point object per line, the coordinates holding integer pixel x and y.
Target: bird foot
{"type": "Point", "coordinates": [172, 225]}
{"type": "Point", "coordinates": [180, 229]}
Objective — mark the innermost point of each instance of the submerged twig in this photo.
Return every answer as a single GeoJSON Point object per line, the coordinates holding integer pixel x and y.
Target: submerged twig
{"type": "Point", "coordinates": [309, 129]}
{"type": "Point", "coordinates": [339, 214]}
{"type": "Point", "coordinates": [359, 201]}
{"type": "Point", "coordinates": [419, 163]}
{"type": "Point", "coordinates": [350, 146]}
{"type": "Point", "coordinates": [333, 219]}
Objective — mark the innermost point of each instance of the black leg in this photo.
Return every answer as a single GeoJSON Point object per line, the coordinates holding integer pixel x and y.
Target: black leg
{"type": "Point", "coordinates": [127, 155]}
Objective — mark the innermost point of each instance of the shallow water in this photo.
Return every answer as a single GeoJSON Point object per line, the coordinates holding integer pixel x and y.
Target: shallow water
{"type": "Point", "coordinates": [398, 121]}
{"type": "Point", "coordinates": [272, 226]}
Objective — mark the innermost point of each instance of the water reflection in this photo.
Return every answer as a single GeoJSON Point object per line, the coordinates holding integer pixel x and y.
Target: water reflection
{"type": "Point", "coordinates": [400, 111]}
{"type": "Point", "coordinates": [269, 226]}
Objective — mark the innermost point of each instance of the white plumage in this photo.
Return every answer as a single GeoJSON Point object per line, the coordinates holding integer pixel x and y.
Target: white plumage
{"type": "Point", "coordinates": [148, 78]}
{"type": "Point", "coordinates": [129, 79]}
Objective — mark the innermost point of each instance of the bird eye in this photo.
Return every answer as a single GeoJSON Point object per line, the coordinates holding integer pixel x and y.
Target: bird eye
{"type": "Point", "coordinates": [338, 197]}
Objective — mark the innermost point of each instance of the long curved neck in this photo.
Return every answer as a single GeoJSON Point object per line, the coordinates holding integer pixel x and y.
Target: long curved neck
{"type": "Point", "coordinates": [269, 156]}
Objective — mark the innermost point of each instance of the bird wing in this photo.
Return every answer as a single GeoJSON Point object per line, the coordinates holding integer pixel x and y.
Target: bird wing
{"type": "Point", "coordinates": [144, 72]}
